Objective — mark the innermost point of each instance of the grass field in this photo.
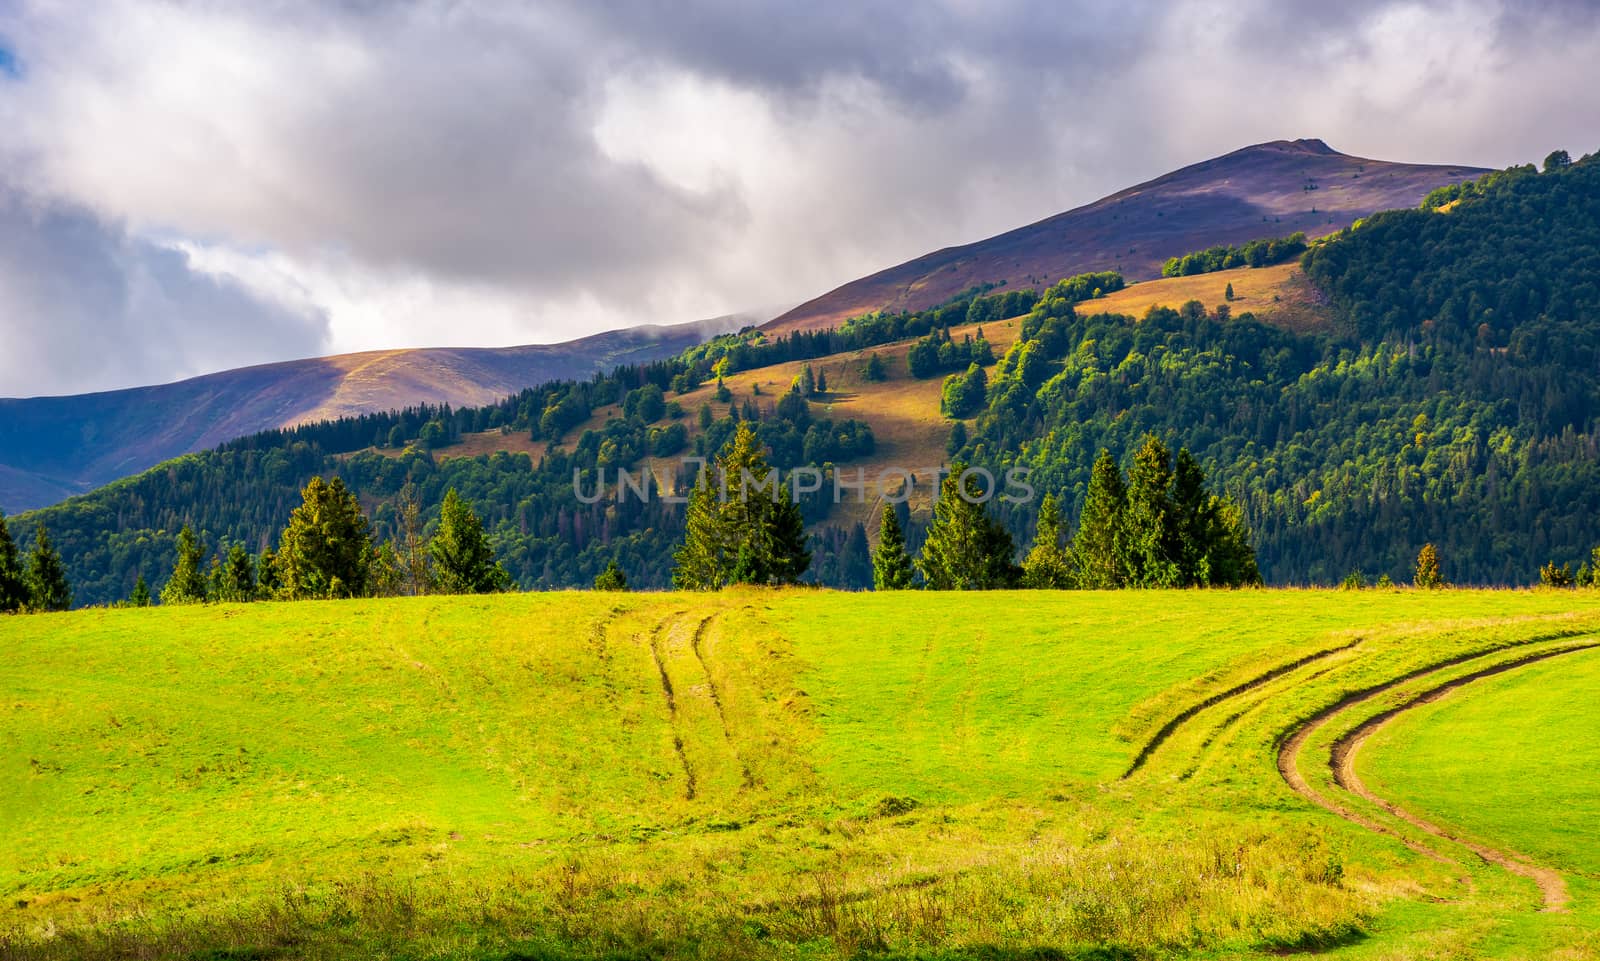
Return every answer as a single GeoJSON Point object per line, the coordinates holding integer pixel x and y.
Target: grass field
{"type": "Point", "coordinates": [802, 775]}
{"type": "Point", "coordinates": [1512, 761]}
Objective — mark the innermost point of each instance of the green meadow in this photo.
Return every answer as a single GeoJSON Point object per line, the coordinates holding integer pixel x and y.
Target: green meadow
{"type": "Point", "coordinates": [802, 774]}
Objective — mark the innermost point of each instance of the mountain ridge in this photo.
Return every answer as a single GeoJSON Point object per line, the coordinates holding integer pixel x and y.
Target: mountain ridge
{"type": "Point", "coordinates": [1263, 190]}
{"type": "Point", "coordinates": [57, 446]}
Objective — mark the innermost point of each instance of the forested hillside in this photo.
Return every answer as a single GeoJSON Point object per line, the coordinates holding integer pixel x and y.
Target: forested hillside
{"type": "Point", "coordinates": [1452, 399]}
{"type": "Point", "coordinates": [544, 531]}
{"type": "Point", "coordinates": [1456, 403]}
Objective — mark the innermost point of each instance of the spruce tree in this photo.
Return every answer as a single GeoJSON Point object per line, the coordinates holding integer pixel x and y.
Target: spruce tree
{"type": "Point", "coordinates": [325, 551]}
{"type": "Point", "coordinates": [1428, 576]}
{"type": "Point", "coordinates": [1047, 566]}
{"type": "Point", "coordinates": [957, 439]}
{"type": "Point", "coordinates": [891, 565]}
{"type": "Point", "coordinates": [268, 583]}
{"type": "Point", "coordinates": [700, 564]}
{"type": "Point", "coordinates": [416, 574]}
{"type": "Point", "coordinates": [966, 549]}
{"type": "Point", "coordinates": [761, 525]}
{"type": "Point", "coordinates": [1148, 516]}
{"type": "Point", "coordinates": [463, 561]}
{"type": "Point", "coordinates": [1231, 561]}
{"type": "Point", "coordinates": [386, 571]}
{"type": "Point", "coordinates": [612, 578]}
{"type": "Point", "coordinates": [238, 582]}
{"type": "Point", "coordinates": [13, 582]}
{"type": "Point", "coordinates": [1097, 547]}
{"type": "Point", "coordinates": [187, 585]}
{"type": "Point", "coordinates": [785, 543]}
{"type": "Point", "coordinates": [141, 593]}
{"type": "Point", "coordinates": [1191, 526]}
{"type": "Point", "coordinates": [741, 525]}
{"type": "Point", "coordinates": [48, 589]}
{"type": "Point", "coordinates": [875, 370]}
{"type": "Point", "coordinates": [822, 382]}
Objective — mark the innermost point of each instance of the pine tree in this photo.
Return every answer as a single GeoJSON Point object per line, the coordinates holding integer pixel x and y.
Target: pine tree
{"type": "Point", "coordinates": [238, 581]}
{"type": "Point", "coordinates": [875, 370]}
{"type": "Point", "coordinates": [141, 593]}
{"type": "Point", "coordinates": [268, 583]}
{"type": "Point", "coordinates": [1097, 547]}
{"type": "Point", "coordinates": [462, 558]}
{"type": "Point", "coordinates": [966, 549]}
{"type": "Point", "coordinates": [386, 573]}
{"type": "Point", "coordinates": [1428, 575]}
{"type": "Point", "coordinates": [807, 381]}
{"type": "Point", "coordinates": [761, 524]}
{"type": "Point", "coordinates": [13, 582]}
{"type": "Point", "coordinates": [785, 544]}
{"type": "Point", "coordinates": [1230, 560]}
{"type": "Point", "coordinates": [187, 585]}
{"type": "Point", "coordinates": [741, 526]}
{"type": "Point", "coordinates": [1228, 294]}
{"type": "Point", "coordinates": [891, 565]}
{"type": "Point", "coordinates": [701, 563]}
{"type": "Point", "coordinates": [612, 578]}
{"type": "Point", "coordinates": [48, 589]}
{"type": "Point", "coordinates": [325, 551]}
{"type": "Point", "coordinates": [1148, 516]}
{"type": "Point", "coordinates": [417, 577]}
{"type": "Point", "coordinates": [957, 439]}
{"type": "Point", "coordinates": [1191, 524]}
{"type": "Point", "coordinates": [1047, 566]}
{"type": "Point", "coordinates": [1554, 575]}
{"type": "Point", "coordinates": [822, 382]}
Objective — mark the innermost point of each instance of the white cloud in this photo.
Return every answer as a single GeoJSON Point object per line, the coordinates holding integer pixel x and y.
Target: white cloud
{"type": "Point", "coordinates": [433, 172]}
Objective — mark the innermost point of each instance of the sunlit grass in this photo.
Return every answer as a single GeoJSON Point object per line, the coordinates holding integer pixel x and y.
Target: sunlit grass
{"type": "Point", "coordinates": [833, 775]}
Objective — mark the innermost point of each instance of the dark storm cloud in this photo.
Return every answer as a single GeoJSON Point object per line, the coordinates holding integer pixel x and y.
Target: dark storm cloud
{"type": "Point", "coordinates": [84, 306]}
{"type": "Point", "coordinates": [417, 167]}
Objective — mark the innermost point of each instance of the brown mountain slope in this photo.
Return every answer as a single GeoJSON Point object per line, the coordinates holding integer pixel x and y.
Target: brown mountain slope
{"type": "Point", "coordinates": [54, 447]}
{"type": "Point", "coordinates": [903, 410]}
{"type": "Point", "coordinates": [1268, 190]}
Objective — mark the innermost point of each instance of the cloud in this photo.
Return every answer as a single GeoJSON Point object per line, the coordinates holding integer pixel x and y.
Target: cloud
{"type": "Point", "coordinates": [445, 172]}
{"type": "Point", "coordinates": [85, 306]}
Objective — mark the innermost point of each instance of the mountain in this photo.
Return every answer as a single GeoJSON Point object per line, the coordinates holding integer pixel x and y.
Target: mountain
{"type": "Point", "coordinates": [1431, 376]}
{"type": "Point", "coordinates": [54, 447]}
{"type": "Point", "coordinates": [1267, 190]}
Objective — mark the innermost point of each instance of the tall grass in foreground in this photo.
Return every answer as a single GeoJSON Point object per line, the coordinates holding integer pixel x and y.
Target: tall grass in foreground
{"type": "Point", "coordinates": [1120, 896]}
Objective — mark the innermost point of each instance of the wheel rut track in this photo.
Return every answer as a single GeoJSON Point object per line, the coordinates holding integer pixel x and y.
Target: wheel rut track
{"type": "Point", "coordinates": [1183, 717]}
{"type": "Point", "coordinates": [691, 786]}
{"type": "Point", "coordinates": [1551, 885]}
{"type": "Point", "coordinates": [748, 776]}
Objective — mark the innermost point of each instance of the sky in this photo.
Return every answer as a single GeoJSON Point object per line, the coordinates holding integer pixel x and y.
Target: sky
{"type": "Point", "coordinates": [192, 186]}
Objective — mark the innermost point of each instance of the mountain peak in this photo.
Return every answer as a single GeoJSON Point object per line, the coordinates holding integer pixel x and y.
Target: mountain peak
{"type": "Point", "coordinates": [1315, 145]}
{"type": "Point", "coordinates": [1270, 189]}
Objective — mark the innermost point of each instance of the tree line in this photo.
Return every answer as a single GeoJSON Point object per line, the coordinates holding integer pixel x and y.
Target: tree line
{"type": "Point", "coordinates": [37, 582]}
{"type": "Point", "coordinates": [1256, 253]}
{"type": "Point", "coordinates": [327, 551]}
{"type": "Point", "coordinates": [1158, 526]}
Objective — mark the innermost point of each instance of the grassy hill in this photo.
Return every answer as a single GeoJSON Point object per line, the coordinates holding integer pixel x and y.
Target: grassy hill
{"type": "Point", "coordinates": [1266, 190]}
{"type": "Point", "coordinates": [54, 447]}
{"type": "Point", "coordinates": [796, 774]}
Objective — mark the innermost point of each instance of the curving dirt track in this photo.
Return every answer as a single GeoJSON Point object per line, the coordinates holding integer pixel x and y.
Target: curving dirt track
{"type": "Point", "coordinates": [1341, 762]}
{"type": "Point", "coordinates": [1178, 720]}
